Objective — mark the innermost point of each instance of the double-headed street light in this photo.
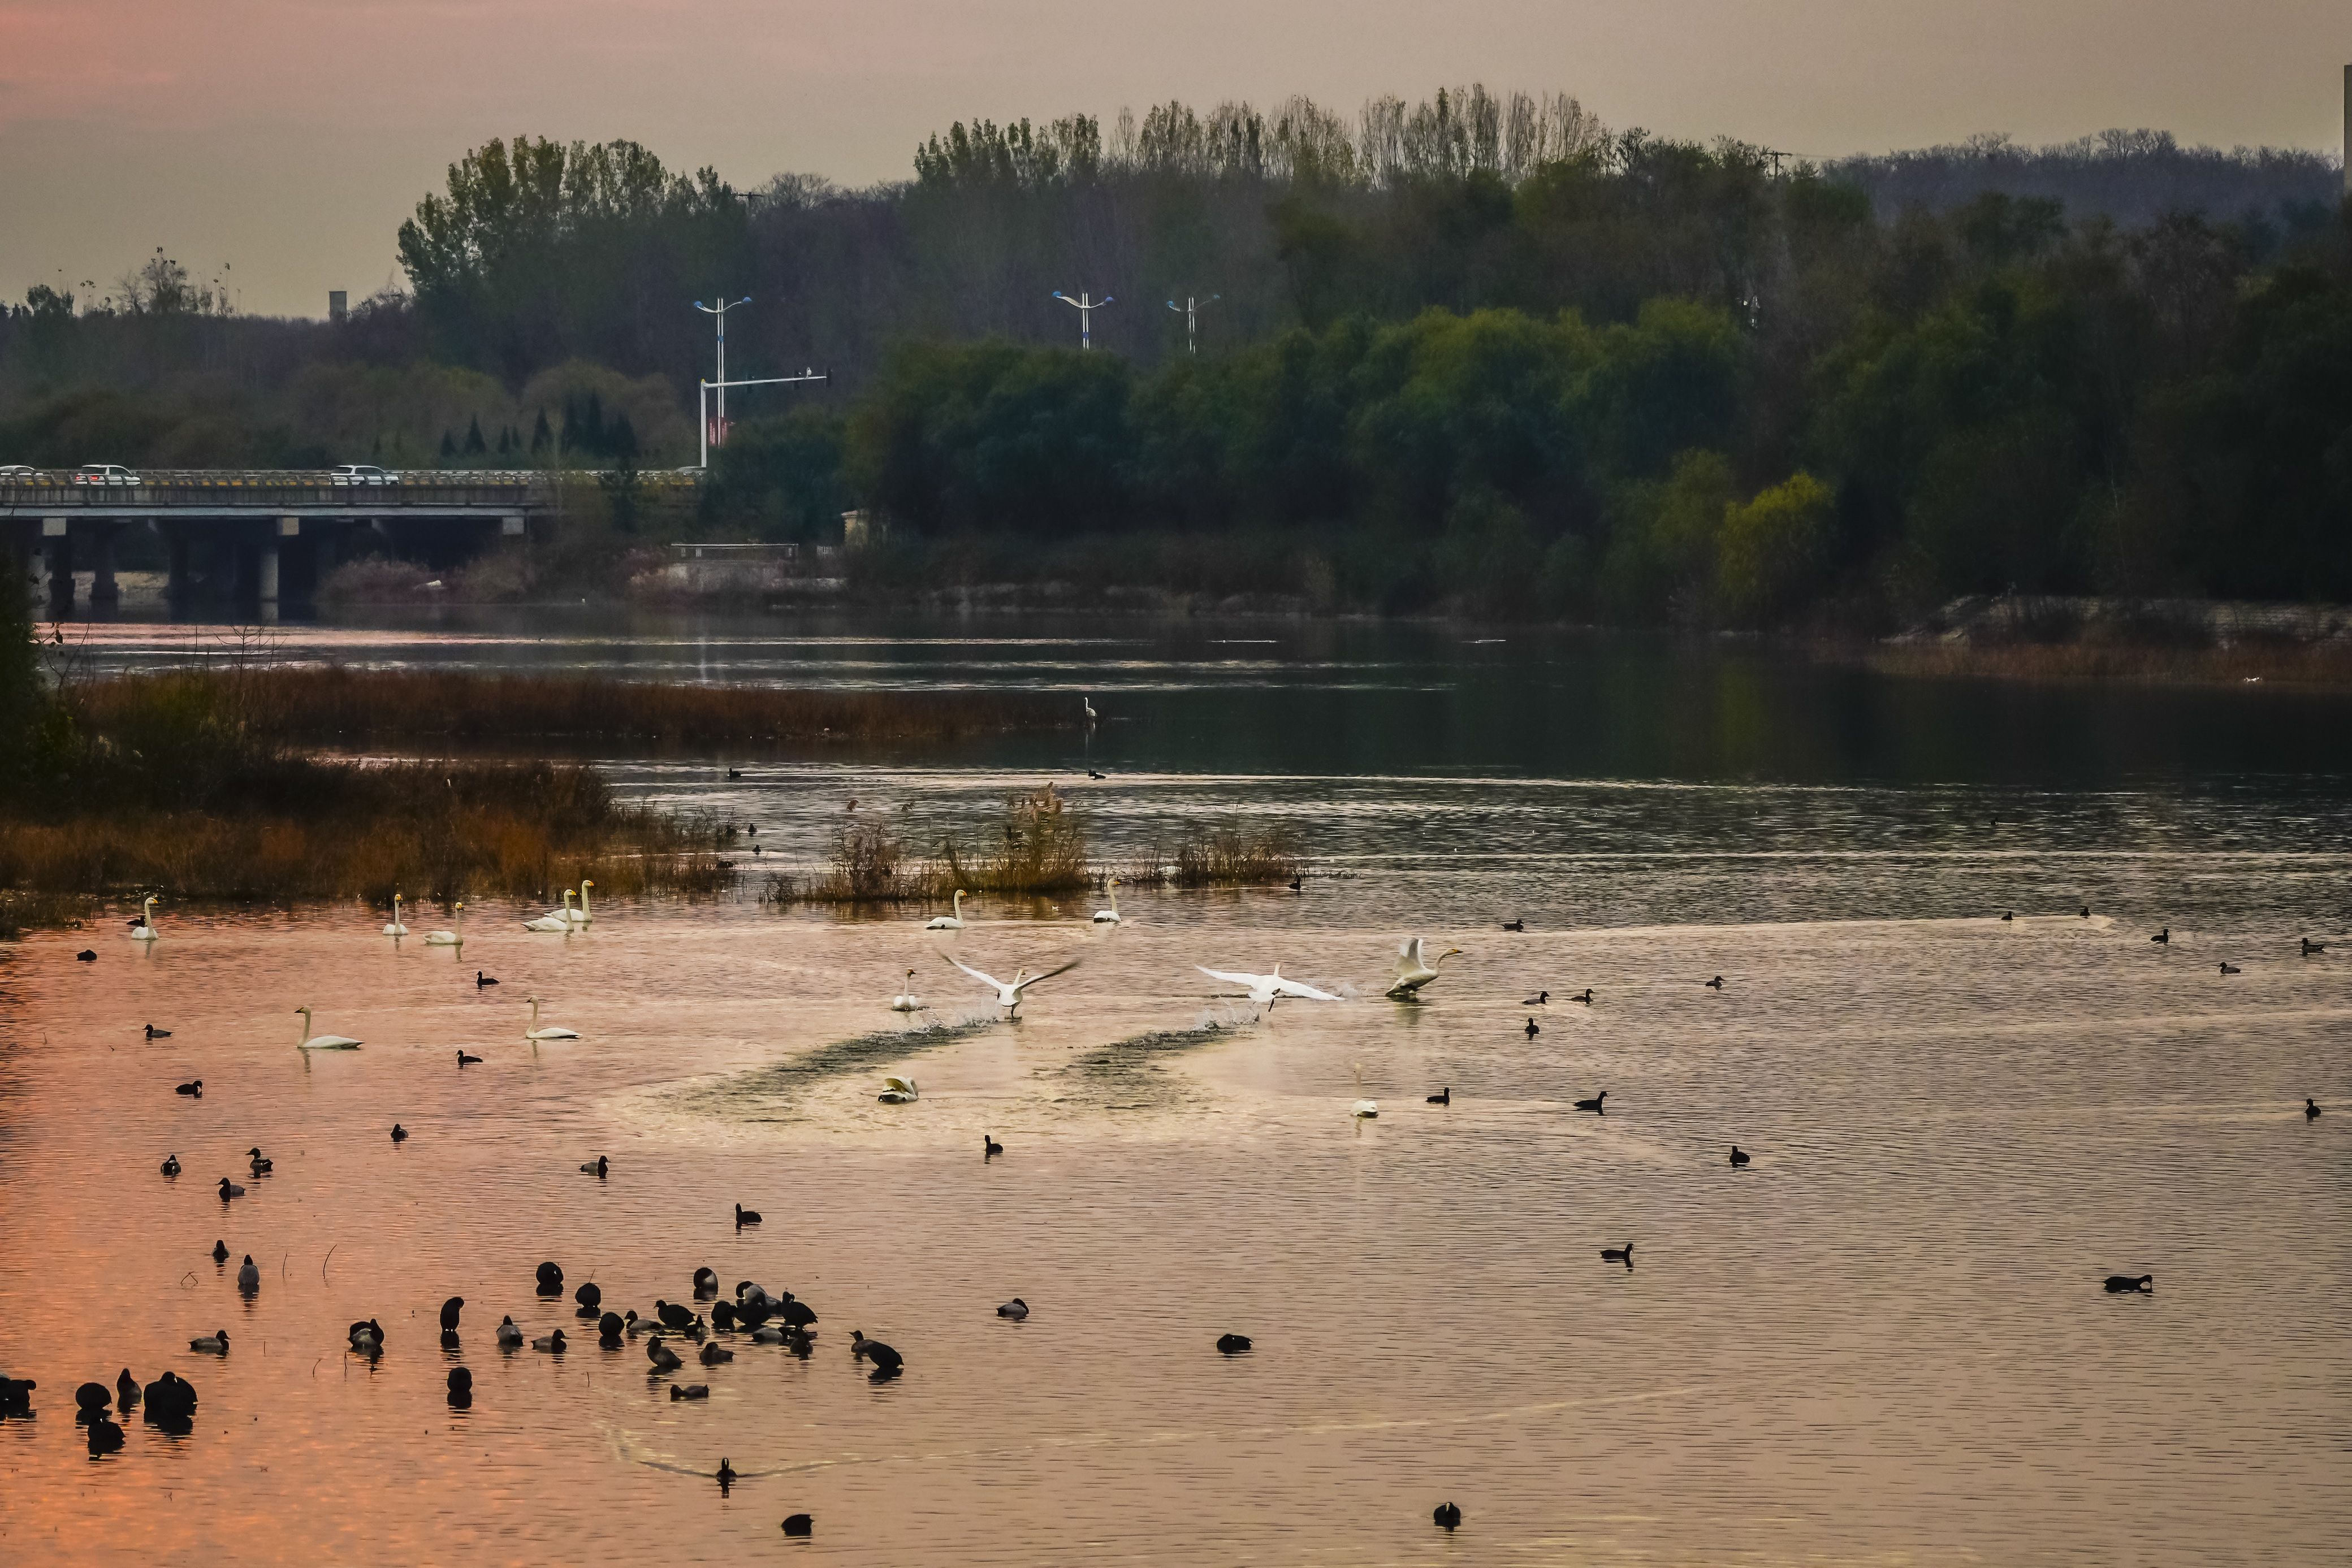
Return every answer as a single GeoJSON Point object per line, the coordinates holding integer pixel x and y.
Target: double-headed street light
{"type": "Point", "coordinates": [1086, 305]}
{"type": "Point", "coordinates": [1189, 310]}
{"type": "Point", "coordinates": [718, 311]}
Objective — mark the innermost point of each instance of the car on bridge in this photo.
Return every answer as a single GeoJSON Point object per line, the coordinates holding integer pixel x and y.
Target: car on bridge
{"type": "Point", "coordinates": [21, 474]}
{"type": "Point", "coordinates": [105, 473]}
{"type": "Point", "coordinates": [360, 473]}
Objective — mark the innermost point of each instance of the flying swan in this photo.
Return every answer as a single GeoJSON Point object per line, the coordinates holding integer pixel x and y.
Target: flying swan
{"type": "Point", "coordinates": [1411, 974]}
{"type": "Point", "coordinates": [1264, 989]}
{"type": "Point", "coordinates": [898, 1091]}
{"type": "Point", "coordinates": [1009, 992]}
{"type": "Point", "coordinates": [321, 1042]}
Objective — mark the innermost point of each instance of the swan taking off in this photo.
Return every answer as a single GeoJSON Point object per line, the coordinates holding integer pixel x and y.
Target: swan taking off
{"type": "Point", "coordinates": [321, 1042]}
{"type": "Point", "coordinates": [898, 1091]}
{"type": "Point", "coordinates": [1411, 973]}
{"type": "Point", "coordinates": [145, 931]}
{"type": "Point", "coordinates": [555, 919]}
{"type": "Point", "coordinates": [1109, 916]}
{"type": "Point", "coordinates": [1264, 989]}
{"type": "Point", "coordinates": [395, 928]}
{"type": "Point", "coordinates": [909, 1002]}
{"type": "Point", "coordinates": [948, 922]}
{"type": "Point", "coordinates": [551, 1031]}
{"type": "Point", "coordinates": [1363, 1108]}
{"type": "Point", "coordinates": [449, 939]}
{"type": "Point", "coordinates": [1009, 992]}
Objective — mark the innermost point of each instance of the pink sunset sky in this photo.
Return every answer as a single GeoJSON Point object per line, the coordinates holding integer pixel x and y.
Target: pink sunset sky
{"type": "Point", "coordinates": [288, 137]}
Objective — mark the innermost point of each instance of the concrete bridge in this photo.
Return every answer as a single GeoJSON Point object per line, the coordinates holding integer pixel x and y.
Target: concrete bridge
{"type": "Point", "coordinates": [267, 536]}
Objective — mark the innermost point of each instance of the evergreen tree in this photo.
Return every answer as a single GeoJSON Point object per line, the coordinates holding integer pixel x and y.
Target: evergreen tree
{"type": "Point", "coordinates": [542, 437]}
{"type": "Point", "coordinates": [475, 445]}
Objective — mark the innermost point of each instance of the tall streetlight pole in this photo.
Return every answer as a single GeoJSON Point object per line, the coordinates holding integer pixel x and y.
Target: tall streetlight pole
{"type": "Point", "coordinates": [719, 312]}
{"type": "Point", "coordinates": [1191, 311]}
{"type": "Point", "coordinates": [1086, 305]}
{"type": "Point", "coordinates": [703, 393]}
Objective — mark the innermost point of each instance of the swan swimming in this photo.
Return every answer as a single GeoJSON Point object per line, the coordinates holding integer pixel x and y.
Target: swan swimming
{"type": "Point", "coordinates": [1109, 916]}
{"type": "Point", "coordinates": [321, 1042]}
{"type": "Point", "coordinates": [1009, 992]}
{"type": "Point", "coordinates": [1411, 973]}
{"type": "Point", "coordinates": [909, 1002]}
{"type": "Point", "coordinates": [1265, 989]}
{"type": "Point", "coordinates": [898, 1091]}
{"type": "Point", "coordinates": [449, 939]}
{"type": "Point", "coordinates": [948, 922]}
{"type": "Point", "coordinates": [145, 930]}
{"type": "Point", "coordinates": [551, 1031]}
{"type": "Point", "coordinates": [553, 920]}
{"type": "Point", "coordinates": [395, 928]}
{"type": "Point", "coordinates": [1365, 1109]}
{"type": "Point", "coordinates": [582, 915]}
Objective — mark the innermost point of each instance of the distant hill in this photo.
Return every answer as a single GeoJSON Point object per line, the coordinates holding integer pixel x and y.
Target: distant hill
{"type": "Point", "coordinates": [2131, 176]}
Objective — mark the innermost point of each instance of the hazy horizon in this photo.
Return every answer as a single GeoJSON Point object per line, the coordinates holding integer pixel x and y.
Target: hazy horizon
{"type": "Point", "coordinates": [288, 139]}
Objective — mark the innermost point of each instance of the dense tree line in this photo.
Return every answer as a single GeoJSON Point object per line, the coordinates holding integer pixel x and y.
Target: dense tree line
{"type": "Point", "coordinates": [1476, 348]}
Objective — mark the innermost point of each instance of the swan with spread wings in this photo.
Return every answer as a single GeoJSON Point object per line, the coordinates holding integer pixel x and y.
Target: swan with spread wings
{"type": "Point", "coordinates": [1264, 991]}
{"type": "Point", "coordinates": [1009, 993]}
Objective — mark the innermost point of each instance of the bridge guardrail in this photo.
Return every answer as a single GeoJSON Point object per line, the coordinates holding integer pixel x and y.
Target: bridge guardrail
{"type": "Point", "coordinates": [164, 487]}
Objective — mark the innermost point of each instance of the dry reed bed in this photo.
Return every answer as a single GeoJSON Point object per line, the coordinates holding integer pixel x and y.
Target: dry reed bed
{"type": "Point", "coordinates": [335, 701]}
{"type": "Point", "coordinates": [1040, 847]}
{"type": "Point", "coordinates": [21, 912]}
{"type": "Point", "coordinates": [2325, 663]}
{"type": "Point", "coordinates": [436, 831]}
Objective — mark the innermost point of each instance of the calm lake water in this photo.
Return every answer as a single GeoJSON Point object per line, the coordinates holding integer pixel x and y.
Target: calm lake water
{"type": "Point", "coordinates": [1884, 1341]}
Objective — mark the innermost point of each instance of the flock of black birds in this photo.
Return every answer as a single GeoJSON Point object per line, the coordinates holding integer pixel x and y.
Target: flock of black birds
{"type": "Point", "coordinates": [762, 1317]}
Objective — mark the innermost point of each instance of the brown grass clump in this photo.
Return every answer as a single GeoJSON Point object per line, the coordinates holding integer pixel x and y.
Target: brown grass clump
{"type": "Point", "coordinates": [433, 831]}
{"type": "Point", "coordinates": [2327, 664]}
{"type": "Point", "coordinates": [22, 911]}
{"type": "Point", "coordinates": [1262, 856]}
{"type": "Point", "coordinates": [1043, 849]}
{"type": "Point", "coordinates": [315, 702]}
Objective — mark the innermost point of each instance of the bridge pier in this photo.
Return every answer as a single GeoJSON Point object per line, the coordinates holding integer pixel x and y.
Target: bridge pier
{"type": "Point", "coordinates": [175, 576]}
{"type": "Point", "coordinates": [102, 589]}
{"type": "Point", "coordinates": [59, 549]}
{"type": "Point", "coordinates": [265, 576]}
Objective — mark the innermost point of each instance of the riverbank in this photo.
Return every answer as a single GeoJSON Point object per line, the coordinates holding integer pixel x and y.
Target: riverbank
{"type": "Point", "coordinates": [2172, 642]}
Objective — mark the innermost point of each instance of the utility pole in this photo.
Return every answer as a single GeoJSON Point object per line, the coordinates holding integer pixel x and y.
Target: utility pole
{"type": "Point", "coordinates": [1191, 312]}
{"type": "Point", "coordinates": [1086, 305]}
{"type": "Point", "coordinates": [702, 395]}
{"type": "Point", "coordinates": [719, 312]}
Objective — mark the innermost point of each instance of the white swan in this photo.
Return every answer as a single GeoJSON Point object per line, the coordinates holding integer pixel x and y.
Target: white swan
{"type": "Point", "coordinates": [1411, 974]}
{"type": "Point", "coordinates": [449, 939]}
{"type": "Point", "coordinates": [898, 1091]}
{"type": "Point", "coordinates": [1109, 916]}
{"type": "Point", "coordinates": [1264, 989]}
{"type": "Point", "coordinates": [584, 916]}
{"type": "Point", "coordinates": [395, 928]}
{"type": "Point", "coordinates": [145, 930]}
{"type": "Point", "coordinates": [910, 1002]}
{"type": "Point", "coordinates": [948, 922]}
{"type": "Point", "coordinates": [1363, 1107]}
{"type": "Point", "coordinates": [551, 1031]}
{"type": "Point", "coordinates": [321, 1042]}
{"type": "Point", "coordinates": [553, 920]}
{"type": "Point", "coordinates": [1008, 992]}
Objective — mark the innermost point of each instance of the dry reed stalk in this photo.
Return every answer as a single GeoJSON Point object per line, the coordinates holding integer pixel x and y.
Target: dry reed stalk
{"type": "Point", "coordinates": [24, 910]}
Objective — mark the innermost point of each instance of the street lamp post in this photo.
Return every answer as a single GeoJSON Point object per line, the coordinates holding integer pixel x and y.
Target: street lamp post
{"type": "Point", "coordinates": [719, 312]}
{"type": "Point", "coordinates": [1190, 311]}
{"type": "Point", "coordinates": [1086, 305]}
